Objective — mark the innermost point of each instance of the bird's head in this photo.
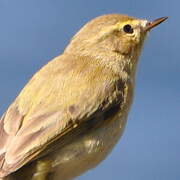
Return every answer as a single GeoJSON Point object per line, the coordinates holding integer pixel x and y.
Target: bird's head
{"type": "Point", "coordinates": [112, 38]}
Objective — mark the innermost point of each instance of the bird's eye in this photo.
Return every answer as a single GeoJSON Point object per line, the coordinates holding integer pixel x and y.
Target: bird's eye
{"type": "Point", "coordinates": [128, 29]}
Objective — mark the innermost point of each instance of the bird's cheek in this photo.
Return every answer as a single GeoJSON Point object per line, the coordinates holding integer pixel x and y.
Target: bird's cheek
{"type": "Point", "coordinates": [123, 48]}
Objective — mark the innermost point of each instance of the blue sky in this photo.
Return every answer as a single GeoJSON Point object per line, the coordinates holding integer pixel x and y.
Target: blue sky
{"type": "Point", "coordinates": [32, 32]}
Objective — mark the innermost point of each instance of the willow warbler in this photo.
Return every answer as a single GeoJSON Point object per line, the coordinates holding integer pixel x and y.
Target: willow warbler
{"type": "Point", "coordinates": [73, 111]}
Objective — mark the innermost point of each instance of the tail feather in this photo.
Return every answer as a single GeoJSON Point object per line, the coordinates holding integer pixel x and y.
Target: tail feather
{"type": "Point", "coordinates": [3, 142]}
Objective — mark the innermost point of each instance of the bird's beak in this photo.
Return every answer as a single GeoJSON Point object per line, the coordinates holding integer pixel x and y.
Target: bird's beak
{"type": "Point", "coordinates": [154, 23]}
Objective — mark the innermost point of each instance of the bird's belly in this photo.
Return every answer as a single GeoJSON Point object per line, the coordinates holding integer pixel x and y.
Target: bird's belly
{"type": "Point", "coordinates": [89, 150]}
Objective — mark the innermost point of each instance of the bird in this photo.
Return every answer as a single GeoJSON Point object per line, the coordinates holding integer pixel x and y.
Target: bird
{"type": "Point", "coordinates": [73, 111]}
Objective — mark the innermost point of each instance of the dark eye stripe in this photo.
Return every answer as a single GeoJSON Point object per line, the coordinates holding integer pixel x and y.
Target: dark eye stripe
{"type": "Point", "coordinates": [128, 29]}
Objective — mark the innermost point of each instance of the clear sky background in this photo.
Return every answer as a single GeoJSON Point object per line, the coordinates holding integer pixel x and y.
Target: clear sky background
{"type": "Point", "coordinates": [32, 32]}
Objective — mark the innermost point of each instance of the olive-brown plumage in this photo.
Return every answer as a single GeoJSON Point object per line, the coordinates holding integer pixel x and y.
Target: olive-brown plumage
{"type": "Point", "coordinates": [72, 112]}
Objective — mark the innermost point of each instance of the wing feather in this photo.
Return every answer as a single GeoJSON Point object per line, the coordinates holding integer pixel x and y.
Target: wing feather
{"type": "Point", "coordinates": [58, 99]}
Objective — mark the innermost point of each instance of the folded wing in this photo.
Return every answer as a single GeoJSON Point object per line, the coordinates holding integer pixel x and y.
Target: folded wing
{"type": "Point", "coordinates": [56, 101]}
